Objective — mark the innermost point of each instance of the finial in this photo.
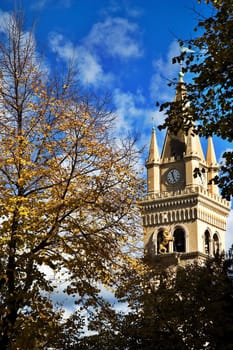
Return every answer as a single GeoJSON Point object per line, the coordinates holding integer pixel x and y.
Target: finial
{"type": "Point", "coordinates": [153, 122]}
{"type": "Point", "coordinates": [188, 50]}
{"type": "Point", "coordinates": [181, 77]}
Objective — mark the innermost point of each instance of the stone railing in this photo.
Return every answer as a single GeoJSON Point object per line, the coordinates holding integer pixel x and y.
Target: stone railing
{"type": "Point", "coordinates": [187, 191]}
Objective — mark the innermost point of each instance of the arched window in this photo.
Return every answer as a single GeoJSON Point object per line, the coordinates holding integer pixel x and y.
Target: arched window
{"type": "Point", "coordinates": [159, 240]}
{"type": "Point", "coordinates": [215, 244]}
{"type": "Point", "coordinates": [207, 242]}
{"type": "Point", "coordinates": [179, 240]}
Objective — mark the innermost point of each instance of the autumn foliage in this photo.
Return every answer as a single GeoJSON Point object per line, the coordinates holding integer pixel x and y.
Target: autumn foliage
{"type": "Point", "coordinates": [68, 190]}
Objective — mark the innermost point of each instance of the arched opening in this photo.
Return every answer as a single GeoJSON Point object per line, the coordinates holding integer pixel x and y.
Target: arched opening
{"type": "Point", "coordinates": [179, 240]}
{"type": "Point", "coordinates": [207, 242]}
{"type": "Point", "coordinates": [215, 244]}
{"type": "Point", "coordinates": [159, 240]}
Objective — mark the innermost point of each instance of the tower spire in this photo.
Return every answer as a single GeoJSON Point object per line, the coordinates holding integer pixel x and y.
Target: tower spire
{"type": "Point", "coordinates": [194, 147]}
{"type": "Point", "coordinates": [212, 166]}
{"type": "Point", "coordinates": [152, 165]}
{"type": "Point", "coordinates": [210, 154]}
{"type": "Point", "coordinates": [180, 89]}
{"type": "Point", "coordinates": [181, 198]}
{"type": "Point", "coordinates": [153, 151]}
{"type": "Point", "coordinates": [174, 145]}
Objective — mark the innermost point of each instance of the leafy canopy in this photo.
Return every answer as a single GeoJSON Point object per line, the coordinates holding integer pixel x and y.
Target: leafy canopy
{"type": "Point", "coordinates": [67, 194]}
{"type": "Point", "coordinates": [182, 308]}
{"type": "Point", "coordinates": [208, 58]}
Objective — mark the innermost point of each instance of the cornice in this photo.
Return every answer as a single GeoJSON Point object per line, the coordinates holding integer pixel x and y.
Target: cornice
{"type": "Point", "coordinates": [191, 196]}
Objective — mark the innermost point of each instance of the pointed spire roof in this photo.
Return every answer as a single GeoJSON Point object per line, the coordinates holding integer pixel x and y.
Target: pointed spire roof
{"type": "Point", "coordinates": [181, 144]}
{"type": "Point", "coordinates": [174, 145]}
{"type": "Point", "coordinates": [194, 145]}
{"type": "Point", "coordinates": [210, 154]}
{"type": "Point", "coordinates": [153, 151]}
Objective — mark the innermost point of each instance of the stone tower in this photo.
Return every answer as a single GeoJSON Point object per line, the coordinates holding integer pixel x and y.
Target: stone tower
{"type": "Point", "coordinates": [184, 217]}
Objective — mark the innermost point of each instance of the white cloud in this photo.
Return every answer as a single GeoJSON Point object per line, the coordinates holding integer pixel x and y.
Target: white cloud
{"type": "Point", "coordinates": [134, 11]}
{"type": "Point", "coordinates": [4, 19]}
{"type": "Point", "coordinates": [114, 38]}
{"type": "Point", "coordinates": [117, 37]}
{"type": "Point", "coordinates": [135, 116]}
{"type": "Point", "coordinates": [40, 4]}
{"type": "Point", "coordinates": [164, 71]}
{"type": "Point", "coordinates": [64, 48]}
{"type": "Point", "coordinates": [27, 39]}
{"type": "Point", "coordinates": [89, 68]}
{"type": "Point", "coordinates": [115, 6]}
{"type": "Point", "coordinates": [166, 66]}
{"type": "Point", "coordinates": [133, 113]}
{"type": "Point", "coordinates": [131, 110]}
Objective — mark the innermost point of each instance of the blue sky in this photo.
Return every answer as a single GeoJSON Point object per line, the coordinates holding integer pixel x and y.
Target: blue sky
{"type": "Point", "coordinates": [123, 47]}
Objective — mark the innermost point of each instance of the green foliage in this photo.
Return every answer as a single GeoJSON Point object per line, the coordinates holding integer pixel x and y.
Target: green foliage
{"type": "Point", "coordinates": [209, 95]}
{"type": "Point", "coordinates": [189, 308]}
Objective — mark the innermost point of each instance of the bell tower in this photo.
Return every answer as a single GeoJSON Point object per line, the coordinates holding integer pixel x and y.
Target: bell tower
{"type": "Point", "coordinates": [184, 217]}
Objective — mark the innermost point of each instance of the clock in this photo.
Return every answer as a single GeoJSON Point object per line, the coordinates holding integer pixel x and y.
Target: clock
{"type": "Point", "coordinates": [173, 176]}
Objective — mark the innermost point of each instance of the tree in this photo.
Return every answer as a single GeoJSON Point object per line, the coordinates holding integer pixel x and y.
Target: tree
{"type": "Point", "coordinates": [208, 58]}
{"type": "Point", "coordinates": [67, 195]}
{"type": "Point", "coordinates": [187, 308]}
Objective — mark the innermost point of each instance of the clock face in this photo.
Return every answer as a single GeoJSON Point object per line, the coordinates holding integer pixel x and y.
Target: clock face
{"type": "Point", "coordinates": [173, 176]}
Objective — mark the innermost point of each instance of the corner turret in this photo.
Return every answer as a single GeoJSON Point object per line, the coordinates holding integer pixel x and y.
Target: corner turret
{"type": "Point", "coordinates": [213, 167]}
{"type": "Point", "coordinates": [152, 165]}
